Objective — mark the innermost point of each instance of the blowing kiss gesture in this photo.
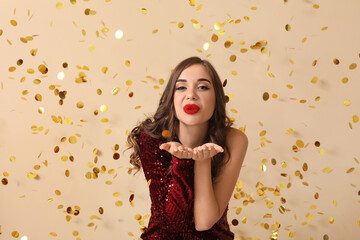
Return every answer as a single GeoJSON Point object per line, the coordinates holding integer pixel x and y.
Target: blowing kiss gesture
{"type": "Point", "coordinates": [200, 153]}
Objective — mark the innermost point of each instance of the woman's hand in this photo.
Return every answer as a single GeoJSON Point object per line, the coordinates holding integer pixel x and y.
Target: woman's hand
{"type": "Point", "coordinates": [201, 153]}
{"type": "Point", "coordinates": [177, 150]}
{"type": "Point", "coordinates": [206, 151]}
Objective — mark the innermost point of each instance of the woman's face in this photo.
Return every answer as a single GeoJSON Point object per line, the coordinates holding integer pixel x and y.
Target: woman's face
{"type": "Point", "coordinates": [194, 96]}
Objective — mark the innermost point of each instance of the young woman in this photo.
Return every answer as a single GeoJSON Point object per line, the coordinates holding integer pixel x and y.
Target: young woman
{"type": "Point", "coordinates": [191, 155]}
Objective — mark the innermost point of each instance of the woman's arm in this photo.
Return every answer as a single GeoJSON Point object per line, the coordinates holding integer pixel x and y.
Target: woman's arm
{"type": "Point", "coordinates": [211, 199]}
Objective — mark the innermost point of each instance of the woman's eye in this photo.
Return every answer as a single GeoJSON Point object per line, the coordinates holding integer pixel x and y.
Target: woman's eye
{"type": "Point", "coordinates": [180, 88]}
{"type": "Point", "coordinates": [203, 87]}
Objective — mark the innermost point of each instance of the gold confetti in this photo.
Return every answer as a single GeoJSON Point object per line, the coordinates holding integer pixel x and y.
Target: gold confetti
{"type": "Point", "coordinates": [119, 34]}
{"type": "Point", "coordinates": [265, 96]}
{"type": "Point", "coordinates": [314, 80]}
{"type": "Point", "coordinates": [263, 168]}
{"type": "Point", "coordinates": [214, 37]}
{"type": "Point", "coordinates": [155, 31]}
{"type": "Point", "coordinates": [347, 103]}
{"type": "Point", "coordinates": [118, 203]}
{"type": "Point", "coordinates": [327, 170]}
{"type": "Point", "coordinates": [352, 66]}
{"type": "Point", "coordinates": [92, 48]}
{"type": "Point", "coordinates": [355, 118]}
{"type": "Point", "coordinates": [206, 46]}
{"type": "Point", "coordinates": [287, 27]}
{"type": "Point", "coordinates": [13, 22]}
{"type": "Point", "coordinates": [15, 234]}
{"type": "Point", "coordinates": [59, 5]}
{"type": "Point", "coordinates": [243, 50]}
{"type": "Point", "coordinates": [316, 6]}
{"type": "Point", "coordinates": [115, 90]}
{"type": "Point", "coordinates": [166, 133]}
{"type": "Point", "coordinates": [350, 170]}
{"type": "Point", "coordinates": [180, 24]}
{"type": "Point", "coordinates": [305, 167]}
{"type": "Point", "coordinates": [72, 139]}
{"type": "Point", "coordinates": [144, 11]}
{"type": "Point", "coordinates": [299, 143]}
{"type": "Point", "coordinates": [31, 175]}
{"type": "Point", "coordinates": [12, 158]}
{"type": "Point", "coordinates": [103, 108]}
{"type": "Point", "coordinates": [192, 2]}
{"type": "Point", "coordinates": [344, 80]}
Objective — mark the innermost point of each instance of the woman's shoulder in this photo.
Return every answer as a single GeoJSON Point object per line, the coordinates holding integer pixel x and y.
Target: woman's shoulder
{"type": "Point", "coordinates": [236, 138]}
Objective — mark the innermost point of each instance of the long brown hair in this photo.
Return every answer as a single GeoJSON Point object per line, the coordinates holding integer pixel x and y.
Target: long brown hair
{"type": "Point", "coordinates": [165, 119]}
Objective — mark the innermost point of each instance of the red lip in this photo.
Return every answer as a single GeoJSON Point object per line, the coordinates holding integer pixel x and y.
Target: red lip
{"type": "Point", "coordinates": [191, 108]}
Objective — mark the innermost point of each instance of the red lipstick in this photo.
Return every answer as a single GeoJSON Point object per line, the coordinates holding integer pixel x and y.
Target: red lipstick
{"type": "Point", "coordinates": [191, 108]}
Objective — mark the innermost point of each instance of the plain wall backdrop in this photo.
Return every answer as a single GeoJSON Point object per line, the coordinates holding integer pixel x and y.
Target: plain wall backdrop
{"type": "Point", "coordinates": [292, 73]}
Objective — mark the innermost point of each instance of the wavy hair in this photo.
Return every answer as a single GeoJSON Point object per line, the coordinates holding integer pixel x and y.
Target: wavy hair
{"type": "Point", "coordinates": [165, 118]}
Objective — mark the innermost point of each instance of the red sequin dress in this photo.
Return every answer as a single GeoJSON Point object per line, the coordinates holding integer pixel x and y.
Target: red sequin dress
{"type": "Point", "coordinates": [172, 196]}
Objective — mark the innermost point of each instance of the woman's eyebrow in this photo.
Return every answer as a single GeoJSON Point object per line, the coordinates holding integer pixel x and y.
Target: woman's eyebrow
{"type": "Point", "coordinates": [199, 80]}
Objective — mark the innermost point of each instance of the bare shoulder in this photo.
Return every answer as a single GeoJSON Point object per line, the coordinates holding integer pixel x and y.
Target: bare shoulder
{"type": "Point", "coordinates": [235, 137]}
{"type": "Point", "coordinates": [237, 142]}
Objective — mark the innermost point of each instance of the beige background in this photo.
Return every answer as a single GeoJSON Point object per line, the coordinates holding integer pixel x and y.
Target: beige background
{"type": "Point", "coordinates": [33, 209]}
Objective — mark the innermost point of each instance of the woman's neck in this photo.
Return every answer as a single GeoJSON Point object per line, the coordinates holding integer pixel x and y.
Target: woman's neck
{"type": "Point", "coordinates": [192, 136]}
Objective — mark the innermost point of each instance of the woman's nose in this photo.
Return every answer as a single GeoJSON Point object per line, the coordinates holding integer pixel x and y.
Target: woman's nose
{"type": "Point", "coordinates": [191, 94]}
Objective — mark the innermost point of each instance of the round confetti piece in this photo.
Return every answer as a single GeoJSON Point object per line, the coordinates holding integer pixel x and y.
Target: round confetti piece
{"type": "Point", "coordinates": [214, 37]}
{"type": "Point", "coordinates": [347, 103]}
{"type": "Point", "coordinates": [31, 175]}
{"type": "Point", "coordinates": [352, 66]}
{"type": "Point", "coordinates": [59, 5]}
{"type": "Point", "coordinates": [103, 108]}
{"type": "Point", "coordinates": [13, 22]}
{"type": "Point", "coordinates": [4, 181]}
{"type": "Point", "coordinates": [92, 48]}
{"type": "Point", "coordinates": [344, 80]}
{"type": "Point", "coordinates": [206, 46]}
{"type": "Point", "coordinates": [72, 139]}
{"type": "Point", "coordinates": [119, 34]}
{"type": "Point", "coordinates": [265, 96]}
{"type": "Point", "coordinates": [355, 118]}
{"type": "Point", "coordinates": [144, 11]}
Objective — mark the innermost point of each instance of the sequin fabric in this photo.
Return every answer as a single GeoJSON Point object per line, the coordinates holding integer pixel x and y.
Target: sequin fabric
{"type": "Point", "coordinates": [172, 196]}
